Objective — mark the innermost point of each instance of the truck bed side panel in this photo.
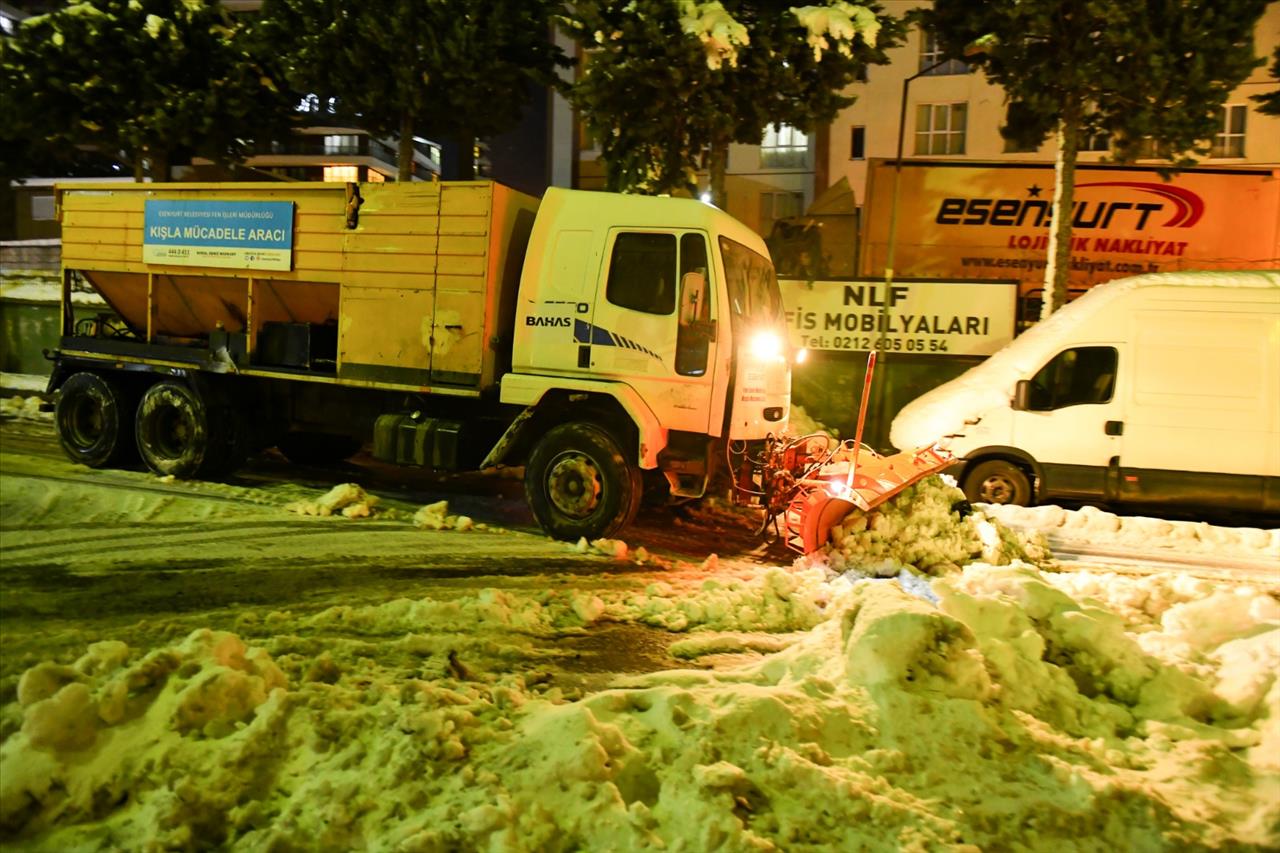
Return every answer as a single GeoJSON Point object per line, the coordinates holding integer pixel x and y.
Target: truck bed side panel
{"type": "Point", "coordinates": [421, 290]}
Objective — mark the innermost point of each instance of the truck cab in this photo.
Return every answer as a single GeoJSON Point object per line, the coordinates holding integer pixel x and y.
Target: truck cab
{"type": "Point", "coordinates": [667, 307]}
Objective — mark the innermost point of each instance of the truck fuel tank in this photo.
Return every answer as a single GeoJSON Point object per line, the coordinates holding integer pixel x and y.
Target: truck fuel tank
{"type": "Point", "coordinates": [406, 439]}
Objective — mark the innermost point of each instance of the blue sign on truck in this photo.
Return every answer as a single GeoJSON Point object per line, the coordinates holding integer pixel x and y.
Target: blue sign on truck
{"type": "Point", "coordinates": [233, 234]}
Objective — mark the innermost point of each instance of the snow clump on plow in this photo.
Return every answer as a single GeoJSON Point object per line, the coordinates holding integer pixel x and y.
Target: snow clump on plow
{"type": "Point", "coordinates": [928, 528]}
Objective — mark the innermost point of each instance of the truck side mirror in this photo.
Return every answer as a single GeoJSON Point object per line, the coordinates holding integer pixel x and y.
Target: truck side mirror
{"type": "Point", "coordinates": [695, 331]}
{"type": "Point", "coordinates": [1021, 395]}
{"type": "Point", "coordinates": [693, 292]}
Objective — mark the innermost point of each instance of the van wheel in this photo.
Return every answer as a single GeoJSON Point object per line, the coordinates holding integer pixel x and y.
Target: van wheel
{"type": "Point", "coordinates": [579, 483]}
{"type": "Point", "coordinates": [997, 482]}
{"type": "Point", "coordinates": [94, 417]}
{"type": "Point", "coordinates": [186, 433]}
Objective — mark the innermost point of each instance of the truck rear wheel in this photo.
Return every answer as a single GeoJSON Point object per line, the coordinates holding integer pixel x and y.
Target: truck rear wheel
{"type": "Point", "coordinates": [186, 433]}
{"type": "Point", "coordinates": [94, 416]}
{"type": "Point", "coordinates": [997, 481]}
{"type": "Point", "coordinates": [579, 483]}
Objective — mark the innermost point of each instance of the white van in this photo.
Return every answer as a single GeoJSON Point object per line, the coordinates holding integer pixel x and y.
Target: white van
{"type": "Point", "coordinates": [1156, 389]}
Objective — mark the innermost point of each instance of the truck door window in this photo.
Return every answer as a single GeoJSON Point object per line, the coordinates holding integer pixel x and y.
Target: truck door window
{"type": "Point", "coordinates": [642, 273]}
{"type": "Point", "coordinates": [1073, 377]}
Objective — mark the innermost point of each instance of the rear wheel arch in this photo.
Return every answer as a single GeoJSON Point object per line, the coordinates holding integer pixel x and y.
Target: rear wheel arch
{"type": "Point", "coordinates": [559, 406]}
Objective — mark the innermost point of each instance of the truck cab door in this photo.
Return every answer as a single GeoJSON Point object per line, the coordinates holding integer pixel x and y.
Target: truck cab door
{"type": "Point", "coordinates": [653, 325]}
{"type": "Point", "coordinates": [1068, 417]}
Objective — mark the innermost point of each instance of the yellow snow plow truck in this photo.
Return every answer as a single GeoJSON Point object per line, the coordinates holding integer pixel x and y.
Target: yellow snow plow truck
{"type": "Point", "coordinates": [589, 337]}
{"type": "Point", "coordinates": [595, 339]}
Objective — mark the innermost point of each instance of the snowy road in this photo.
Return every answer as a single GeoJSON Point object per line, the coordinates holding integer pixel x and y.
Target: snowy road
{"type": "Point", "coordinates": [199, 666]}
{"type": "Point", "coordinates": [123, 554]}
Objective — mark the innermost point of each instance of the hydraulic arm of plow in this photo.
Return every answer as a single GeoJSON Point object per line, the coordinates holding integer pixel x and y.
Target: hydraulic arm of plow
{"type": "Point", "coordinates": [812, 482]}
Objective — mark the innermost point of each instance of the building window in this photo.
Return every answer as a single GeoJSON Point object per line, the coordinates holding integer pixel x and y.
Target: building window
{"type": "Point", "coordinates": [1148, 149]}
{"type": "Point", "coordinates": [779, 205]}
{"type": "Point", "coordinates": [341, 144]}
{"type": "Point", "coordinates": [933, 60]}
{"type": "Point", "coordinates": [1095, 142]}
{"type": "Point", "coordinates": [784, 147]}
{"type": "Point", "coordinates": [858, 143]}
{"type": "Point", "coordinates": [1229, 142]}
{"type": "Point", "coordinates": [940, 128]}
{"type": "Point", "coordinates": [345, 174]}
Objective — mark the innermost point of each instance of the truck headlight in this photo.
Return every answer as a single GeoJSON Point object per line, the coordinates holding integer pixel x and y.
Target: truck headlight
{"type": "Point", "coordinates": [766, 345]}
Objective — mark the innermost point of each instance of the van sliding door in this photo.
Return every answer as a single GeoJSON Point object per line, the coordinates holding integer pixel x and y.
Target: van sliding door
{"type": "Point", "coordinates": [1201, 420]}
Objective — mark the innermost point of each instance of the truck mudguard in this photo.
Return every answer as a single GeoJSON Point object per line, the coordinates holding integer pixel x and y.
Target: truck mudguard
{"type": "Point", "coordinates": [529, 390]}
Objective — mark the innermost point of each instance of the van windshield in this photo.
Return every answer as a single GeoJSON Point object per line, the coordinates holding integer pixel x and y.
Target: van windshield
{"type": "Point", "coordinates": [753, 286]}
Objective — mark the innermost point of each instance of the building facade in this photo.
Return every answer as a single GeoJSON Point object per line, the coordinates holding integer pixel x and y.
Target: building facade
{"type": "Point", "coordinates": [952, 113]}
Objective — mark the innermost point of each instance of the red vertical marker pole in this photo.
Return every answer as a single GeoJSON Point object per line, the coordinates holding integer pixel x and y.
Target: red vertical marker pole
{"type": "Point", "coordinates": [862, 416]}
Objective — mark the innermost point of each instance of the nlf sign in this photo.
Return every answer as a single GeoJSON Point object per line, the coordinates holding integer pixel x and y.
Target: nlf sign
{"type": "Point", "coordinates": [864, 294]}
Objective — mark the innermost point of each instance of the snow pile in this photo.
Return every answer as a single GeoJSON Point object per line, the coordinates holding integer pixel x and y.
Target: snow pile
{"type": "Point", "coordinates": [345, 499]}
{"type": "Point", "coordinates": [990, 385]}
{"type": "Point", "coordinates": [24, 408]}
{"type": "Point", "coordinates": [41, 286]}
{"type": "Point", "coordinates": [436, 516]}
{"type": "Point", "coordinates": [1090, 524]}
{"type": "Point", "coordinates": [1026, 711]}
{"type": "Point", "coordinates": [802, 423]}
{"type": "Point", "coordinates": [925, 528]}
{"type": "Point", "coordinates": [775, 600]}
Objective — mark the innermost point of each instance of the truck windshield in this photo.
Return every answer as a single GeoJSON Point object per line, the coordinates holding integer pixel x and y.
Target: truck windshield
{"type": "Point", "coordinates": [753, 287]}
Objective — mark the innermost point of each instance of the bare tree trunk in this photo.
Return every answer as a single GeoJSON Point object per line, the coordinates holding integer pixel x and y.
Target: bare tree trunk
{"type": "Point", "coordinates": [405, 150]}
{"type": "Point", "coordinates": [139, 162]}
{"type": "Point", "coordinates": [158, 165]}
{"type": "Point", "coordinates": [1064, 191]}
{"type": "Point", "coordinates": [718, 164]}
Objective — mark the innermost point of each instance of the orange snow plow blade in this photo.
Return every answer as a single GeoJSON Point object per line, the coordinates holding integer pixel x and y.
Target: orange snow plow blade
{"type": "Point", "coordinates": [864, 482]}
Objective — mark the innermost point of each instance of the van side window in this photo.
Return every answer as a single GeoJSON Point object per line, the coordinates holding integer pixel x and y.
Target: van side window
{"type": "Point", "coordinates": [642, 273]}
{"type": "Point", "coordinates": [1074, 376]}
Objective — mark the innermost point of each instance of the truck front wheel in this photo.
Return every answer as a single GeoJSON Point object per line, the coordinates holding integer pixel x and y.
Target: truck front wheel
{"type": "Point", "coordinates": [997, 481]}
{"type": "Point", "coordinates": [182, 433]}
{"type": "Point", "coordinates": [579, 483]}
{"type": "Point", "coordinates": [94, 416]}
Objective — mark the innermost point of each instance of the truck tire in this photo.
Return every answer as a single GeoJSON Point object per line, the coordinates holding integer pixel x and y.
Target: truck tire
{"type": "Point", "coordinates": [579, 483]}
{"type": "Point", "coordinates": [188, 434]}
{"type": "Point", "coordinates": [317, 448]}
{"type": "Point", "coordinates": [94, 417]}
{"type": "Point", "coordinates": [997, 481]}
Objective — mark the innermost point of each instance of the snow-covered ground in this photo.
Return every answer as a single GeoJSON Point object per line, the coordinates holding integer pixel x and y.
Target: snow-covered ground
{"type": "Point", "coordinates": [927, 682]}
